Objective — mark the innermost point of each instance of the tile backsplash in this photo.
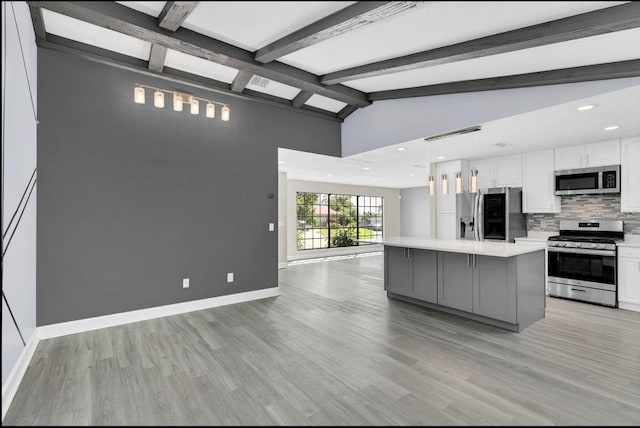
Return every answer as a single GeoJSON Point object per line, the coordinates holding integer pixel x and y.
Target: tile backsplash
{"type": "Point", "coordinates": [586, 207]}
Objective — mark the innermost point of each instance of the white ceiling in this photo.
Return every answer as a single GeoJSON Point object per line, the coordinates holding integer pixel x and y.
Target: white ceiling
{"type": "Point", "coordinates": [556, 126]}
{"type": "Point", "coordinates": [429, 25]}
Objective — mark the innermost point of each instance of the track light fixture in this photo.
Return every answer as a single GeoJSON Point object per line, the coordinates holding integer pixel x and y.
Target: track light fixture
{"type": "Point", "coordinates": [179, 99]}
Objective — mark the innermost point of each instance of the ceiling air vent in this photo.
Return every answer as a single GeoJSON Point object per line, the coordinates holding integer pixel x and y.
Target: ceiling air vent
{"type": "Point", "coordinates": [452, 133]}
{"type": "Point", "coordinates": [259, 81]}
{"type": "Point", "coordinates": [503, 144]}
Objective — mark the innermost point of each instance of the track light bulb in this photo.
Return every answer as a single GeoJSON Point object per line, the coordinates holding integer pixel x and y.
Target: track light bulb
{"type": "Point", "coordinates": [195, 106]}
{"type": "Point", "coordinates": [177, 102]}
{"type": "Point", "coordinates": [224, 113]}
{"type": "Point", "coordinates": [138, 95]}
{"type": "Point", "coordinates": [210, 110]}
{"type": "Point", "coordinates": [158, 99]}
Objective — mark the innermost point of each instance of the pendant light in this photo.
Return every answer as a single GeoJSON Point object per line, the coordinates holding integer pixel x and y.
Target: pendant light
{"type": "Point", "coordinates": [210, 110]}
{"type": "Point", "coordinates": [195, 106]}
{"type": "Point", "coordinates": [177, 102]}
{"type": "Point", "coordinates": [458, 182]}
{"type": "Point", "coordinates": [473, 181]}
{"type": "Point", "coordinates": [432, 185]}
{"type": "Point", "coordinates": [224, 113]}
{"type": "Point", "coordinates": [445, 184]}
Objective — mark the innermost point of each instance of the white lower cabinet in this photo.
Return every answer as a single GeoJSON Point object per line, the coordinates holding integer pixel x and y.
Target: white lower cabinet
{"type": "Point", "coordinates": [629, 278]}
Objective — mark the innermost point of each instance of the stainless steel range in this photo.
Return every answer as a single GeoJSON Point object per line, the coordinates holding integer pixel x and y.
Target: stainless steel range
{"type": "Point", "coordinates": [583, 261]}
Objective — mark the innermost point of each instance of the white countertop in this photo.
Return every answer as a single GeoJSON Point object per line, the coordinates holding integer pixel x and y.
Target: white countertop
{"type": "Point", "coordinates": [483, 248]}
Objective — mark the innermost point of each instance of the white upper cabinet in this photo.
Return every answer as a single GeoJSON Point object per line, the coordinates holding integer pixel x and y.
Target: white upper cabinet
{"type": "Point", "coordinates": [508, 171]}
{"type": "Point", "coordinates": [538, 183]}
{"type": "Point", "coordinates": [504, 171]}
{"type": "Point", "coordinates": [587, 155]}
{"type": "Point", "coordinates": [630, 175]}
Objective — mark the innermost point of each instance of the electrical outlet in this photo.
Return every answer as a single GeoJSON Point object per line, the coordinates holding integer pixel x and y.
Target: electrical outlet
{"type": "Point", "coordinates": [185, 282]}
{"type": "Point", "coordinates": [230, 277]}
{"type": "Point", "coordinates": [271, 227]}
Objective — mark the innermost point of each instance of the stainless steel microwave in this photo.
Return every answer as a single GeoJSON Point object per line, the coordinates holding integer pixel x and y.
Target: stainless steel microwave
{"type": "Point", "coordinates": [599, 179]}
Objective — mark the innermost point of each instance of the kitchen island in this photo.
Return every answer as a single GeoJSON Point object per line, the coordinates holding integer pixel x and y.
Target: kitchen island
{"type": "Point", "coordinates": [502, 284]}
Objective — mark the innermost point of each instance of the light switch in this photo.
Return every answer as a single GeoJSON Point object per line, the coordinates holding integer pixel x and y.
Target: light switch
{"type": "Point", "coordinates": [271, 227]}
{"type": "Point", "coordinates": [185, 283]}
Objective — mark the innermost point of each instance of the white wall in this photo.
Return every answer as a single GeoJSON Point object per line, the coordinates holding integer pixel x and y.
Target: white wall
{"type": "Point", "coordinates": [415, 212]}
{"type": "Point", "coordinates": [282, 219]}
{"type": "Point", "coordinates": [391, 122]}
{"type": "Point", "coordinates": [391, 214]}
{"type": "Point", "coordinates": [19, 99]}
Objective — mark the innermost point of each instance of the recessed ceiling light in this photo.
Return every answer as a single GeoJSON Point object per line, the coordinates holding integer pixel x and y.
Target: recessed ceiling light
{"type": "Point", "coordinates": [329, 175]}
{"type": "Point", "coordinates": [586, 107]}
{"type": "Point", "coordinates": [366, 168]}
{"type": "Point", "coordinates": [282, 162]}
{"type": "Point", "coordinates": [401, 149]}
{"type": "Point", "coordinates": [440, 157]}
{"type": "Point", "coordinates": [412, 175]}
{"type": "Point", "coordinates": [611, 128]}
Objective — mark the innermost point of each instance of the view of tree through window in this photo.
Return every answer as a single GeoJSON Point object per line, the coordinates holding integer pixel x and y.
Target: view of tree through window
{"type": "Point", "coordinates": [326, 220]}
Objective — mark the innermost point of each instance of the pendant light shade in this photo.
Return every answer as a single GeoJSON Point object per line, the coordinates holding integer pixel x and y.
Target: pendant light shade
{"type": "Point", "coordinates": [158, 99]}
{"type": "Point", "coordinates": [473, 181]}
{"type": "Point", "coordinates": [432, 186]}
{"type": "Point", "coordinates": [138, 95]}
{"type": "Point", "coordinates": [445, 185]}
{"type": "Point", "coordinates": [458, 182]}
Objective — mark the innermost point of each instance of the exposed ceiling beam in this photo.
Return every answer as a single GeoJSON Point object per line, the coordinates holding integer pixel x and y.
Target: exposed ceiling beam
{"type": "Point", "coordinates": [301, 98]}
{"type": "Point", "coordinates": [241, 81]}
{"type": "Point", "coordinates": [157, 57]}
{"type": "Point", "coordinates": [174, 13]}
{"type": "Point", "coordinates": [38, 22]}
{"type": "Point", "coordinates": [348, 19]}
{"type": "Point", "coordinates": [612, 70]}
{"type": "Point", "coordinates": [346, 111]}
{"type": "Point", "coordinates": [127, 21]}
{"type": "Point", "coordinates": [179, 77]}
{"type": "Point", "coordinates": [616, 18]}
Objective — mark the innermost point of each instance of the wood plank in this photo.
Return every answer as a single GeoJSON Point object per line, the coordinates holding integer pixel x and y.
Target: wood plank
{"type": "Point", "coordinates": [157, 57]}
{"type": "Point", "coordinates": [38, 23]}
{"type": "Point", "coordinates": [301, 98]}
{"type": "Point", "coordinates": [139, 66]}
{"type": "Point", "coordinates": [174, 14]}
{"type": "Point", "coordinates": [334, 350]}
{"type": "Point", "coordinates": [240, 81]}
{"type": "Point", "coordinates": [136, 24]}
{"type": "Point", "coordinates": [603, 21]}
{"type": "Point", "coordinates": [343, 21]}
{"type": "Point", "coordinates": [612, 70]}
{"type": "Point", "coordinates": [346, 111]}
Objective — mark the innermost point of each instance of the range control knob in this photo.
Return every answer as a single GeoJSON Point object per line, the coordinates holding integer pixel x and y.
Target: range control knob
{"type": "Point", "coordinates": [578, 245]}
{"type": "Point", "coordinates": [600, 246]}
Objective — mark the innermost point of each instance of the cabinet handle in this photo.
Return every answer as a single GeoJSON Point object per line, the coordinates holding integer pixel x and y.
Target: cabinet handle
{"type": "Point", "coordinates": [474, 260]}
{"type": "Point", "coordinates": [577, 289]}
{"type": "Point", "coordinates": [468, 260]}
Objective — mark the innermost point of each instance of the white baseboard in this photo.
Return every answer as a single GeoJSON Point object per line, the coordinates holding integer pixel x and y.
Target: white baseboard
{"type": "Point", "coordinates": [87, 324]}
{"type": "Point", "coordinates": [629, 306]}
{"type": "Point", "coordinates": [10, 387]}
{"type": "Point", "coordinates": [283, 265]}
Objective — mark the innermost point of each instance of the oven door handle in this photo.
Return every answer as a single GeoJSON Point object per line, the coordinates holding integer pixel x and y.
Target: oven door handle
{"type": "Point", "coordinates": [611, 253]}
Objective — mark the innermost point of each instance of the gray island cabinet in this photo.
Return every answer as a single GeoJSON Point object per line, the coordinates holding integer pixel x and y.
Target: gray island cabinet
{"type": "Point", "coordinates": [501, 284]}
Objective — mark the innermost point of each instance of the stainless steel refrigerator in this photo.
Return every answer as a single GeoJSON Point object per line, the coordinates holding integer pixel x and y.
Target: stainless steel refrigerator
{"type": "Point", "coordinates": [491, 215]}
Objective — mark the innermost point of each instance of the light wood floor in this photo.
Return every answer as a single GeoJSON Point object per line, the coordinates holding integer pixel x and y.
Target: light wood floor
{"type": "Point", "coordinates": [333, 350]}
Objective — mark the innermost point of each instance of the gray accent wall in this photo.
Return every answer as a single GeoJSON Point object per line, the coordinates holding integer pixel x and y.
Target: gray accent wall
{"type": "Point", "coordinates": [19, 185]}
{"type": "Point", "coordinates": [133, 199]}
{"type": "Point", "coordinates": [585, 207]}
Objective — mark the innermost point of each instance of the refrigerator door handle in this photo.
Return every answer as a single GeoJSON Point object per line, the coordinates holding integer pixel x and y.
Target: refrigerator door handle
{"type": "Point", "coordinates": [476, 220]}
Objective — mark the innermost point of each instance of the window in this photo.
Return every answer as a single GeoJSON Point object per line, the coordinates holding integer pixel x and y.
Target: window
{"type": "Point", "coordinates": [326, 220]}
